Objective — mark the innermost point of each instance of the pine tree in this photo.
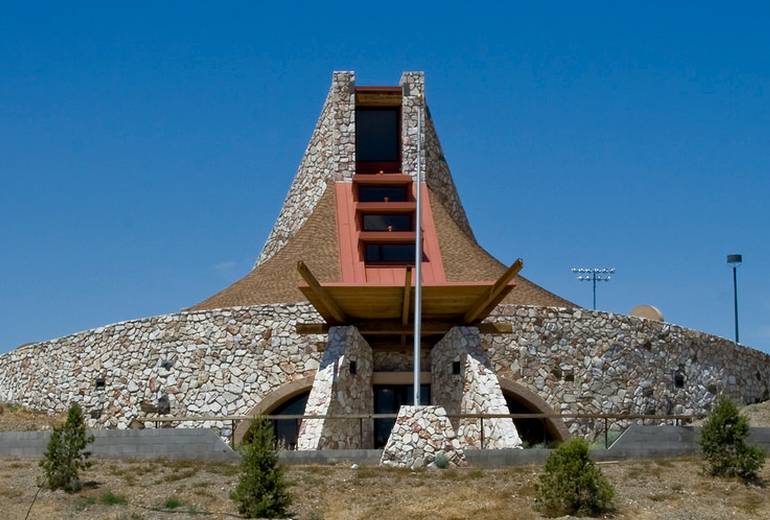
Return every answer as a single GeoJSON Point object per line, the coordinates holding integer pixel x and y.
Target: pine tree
{"type": "Point", "coordinates": [723, 443]}
{"type": "Point", "coordinates": [572, 484]}
{"type": "Point", "coordinates": [261, 490]}
{"type": "Point", "coordinates": [66, 455]}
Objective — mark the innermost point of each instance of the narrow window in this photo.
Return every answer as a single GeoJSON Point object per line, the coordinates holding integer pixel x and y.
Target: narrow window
{"type": "Point", "coordinates": [679, 379]}
{"type": "Point", "coordinates": [455, 368]}
{"type": "Point", "coordinates": [396, 222]}
{"type": "Point", "coordinates": [368, 193]}
{"type": "Point", "coordinates": [390, 253]}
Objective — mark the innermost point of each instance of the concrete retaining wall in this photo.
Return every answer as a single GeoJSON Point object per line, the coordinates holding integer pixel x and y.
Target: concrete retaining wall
{"type": "Point", "coordinates": [199, 444]}
{"type": "Point", "coordinates": [638, 442]}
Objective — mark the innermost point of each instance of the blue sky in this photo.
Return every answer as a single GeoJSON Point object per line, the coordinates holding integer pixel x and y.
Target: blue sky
{"type": "Point", "coordinates": [145, 151]}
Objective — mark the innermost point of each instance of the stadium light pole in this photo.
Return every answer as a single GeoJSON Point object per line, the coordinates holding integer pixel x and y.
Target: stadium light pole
{"type": "Point", "coordinates": [734, 261]}
{"type": "Point", "coordinates": [593, 275]}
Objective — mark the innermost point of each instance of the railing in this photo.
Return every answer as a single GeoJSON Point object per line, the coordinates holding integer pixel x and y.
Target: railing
{"type": "Point", "coordinates": [605, 418]}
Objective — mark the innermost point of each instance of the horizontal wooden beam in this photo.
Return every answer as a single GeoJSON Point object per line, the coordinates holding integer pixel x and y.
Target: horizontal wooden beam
{"type": "Point", "coordinates": [328, 307]}
{"type": "Point", "coordinates": [484, 305]}
{"type": "Point", "coordinates": [393, 327]}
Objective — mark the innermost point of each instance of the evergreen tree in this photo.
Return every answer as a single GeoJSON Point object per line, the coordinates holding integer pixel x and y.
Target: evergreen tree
{"type": "Point", "coordinates": [66, 455]}
{"type": "Point", "coordinates": [572, 484]}
{"type": "Point", "coordinates": [723, 443]}
{"type": "Point", "coordinates": [261, 490]}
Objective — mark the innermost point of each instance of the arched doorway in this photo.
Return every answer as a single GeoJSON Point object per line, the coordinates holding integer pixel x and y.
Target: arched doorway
{"type": "Point", "coordinates": [288, 399]}
{"type": "Point", "coordinates": [532, 431]}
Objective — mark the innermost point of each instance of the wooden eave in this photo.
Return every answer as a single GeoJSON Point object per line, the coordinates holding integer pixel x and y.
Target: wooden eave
{"type": "Point", "coordinates": [378, 96]}
{"type": "Point", "coordinates": [385, 309]}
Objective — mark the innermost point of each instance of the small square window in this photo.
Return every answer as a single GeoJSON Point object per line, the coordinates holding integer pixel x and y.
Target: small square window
{"type": "Point", "coordinates": [99, 384]}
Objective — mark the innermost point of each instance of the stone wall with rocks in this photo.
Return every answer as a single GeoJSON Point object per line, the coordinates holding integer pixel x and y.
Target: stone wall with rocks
{"type": "Point", "coordinates": [473, 389]}
{"type": "Point", "coordinates": [582, 361]}
{"type": "Point", "coordinates": [342, 386]}
{"type": "Point", "coordinates": [226, 361]}
{"type": "Point", "coordinates": [399, 361]}
{"type": "Point", "coordinates": [419, 434]}
{"type": "Point", "coordinates": [207, 362]}
{"type": "Point", "coordinates": [330, 156]}
{"type": "Point", "coordinates": [434, 165]}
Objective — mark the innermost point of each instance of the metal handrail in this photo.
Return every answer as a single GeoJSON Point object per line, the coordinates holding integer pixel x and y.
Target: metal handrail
{"type": "Point", "coordinates": [605, 417]}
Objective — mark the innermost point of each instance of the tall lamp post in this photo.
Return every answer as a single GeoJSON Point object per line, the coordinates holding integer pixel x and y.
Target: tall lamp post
{"type": "Point", "coordinates": [734, 261]}
{"type": "Point", "coordinates": [593, 275]}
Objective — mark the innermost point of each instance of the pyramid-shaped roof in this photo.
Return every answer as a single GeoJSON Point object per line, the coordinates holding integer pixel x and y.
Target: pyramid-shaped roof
{"type": "Point", "coordinates": [313, 225]}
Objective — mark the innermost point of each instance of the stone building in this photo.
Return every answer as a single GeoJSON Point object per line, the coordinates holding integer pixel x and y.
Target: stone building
{"type": "Point", "coordinates": [322, 324]}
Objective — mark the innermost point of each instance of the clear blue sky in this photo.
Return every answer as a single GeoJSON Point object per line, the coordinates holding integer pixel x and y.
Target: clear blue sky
{"type": "Point", "coordinates": [145, 151]}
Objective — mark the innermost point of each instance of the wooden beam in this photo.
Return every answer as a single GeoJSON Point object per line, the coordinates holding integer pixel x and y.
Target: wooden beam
{"type": "Point", "coordinates": [481, 307]}
{"type": "Point", "coordinates": [406, 297]}
{"type": "Point", "coordinates": [394, 328]}
{"type": "Point", "coordinates": [330, 310]}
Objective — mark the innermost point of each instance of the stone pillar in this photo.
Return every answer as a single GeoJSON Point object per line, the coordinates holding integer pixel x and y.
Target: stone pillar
{"type": "Point", "coordinates": [413, 85]}
{"type": "Point", "coordinates": [342, 386]}
{"type": "Point", "coordinates": [475, 389]}
{"type": "Point", "coordinates": [344, 125]}
{"type": "Point", "coordinates": [420, 433]}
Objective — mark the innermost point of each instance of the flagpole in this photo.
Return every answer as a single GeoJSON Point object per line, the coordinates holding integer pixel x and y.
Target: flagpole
{"type": "Point", "coordinates": [418, 258]}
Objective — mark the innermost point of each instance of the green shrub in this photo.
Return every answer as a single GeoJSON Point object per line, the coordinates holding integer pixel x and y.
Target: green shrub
{"type": "Point", "coordinates": [108, 498]}
{"type": "Point", "coordinates": [261, 490]}
{"type": "Point", "coordinates": [441, 460]}
{"type": "Point", "coordinates": [572, 484]}
{"type": "Point", "coordinates": [723, 443]}
{"type": "Point", "coordinates": [172, 503]}
{"type": "Point", "coordinates": [66, 455]}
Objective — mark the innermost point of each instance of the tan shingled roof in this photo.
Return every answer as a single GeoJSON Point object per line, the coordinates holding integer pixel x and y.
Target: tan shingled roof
{"type": "Point", "coordinates": [276, 280]}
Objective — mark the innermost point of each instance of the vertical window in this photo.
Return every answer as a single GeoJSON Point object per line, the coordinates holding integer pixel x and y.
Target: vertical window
{"type": "Point", "coordinates": [377, 134]}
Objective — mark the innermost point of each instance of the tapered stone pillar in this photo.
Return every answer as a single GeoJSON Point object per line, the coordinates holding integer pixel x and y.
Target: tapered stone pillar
{"type": "Point", "coordinates": [419, 435]}
{"type": "Point", "coordinates": [342, 386]}
{"type": "Point", "coordinates": [463, 383]}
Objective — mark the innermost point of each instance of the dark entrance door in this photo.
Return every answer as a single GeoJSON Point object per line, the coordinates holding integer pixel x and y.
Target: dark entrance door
{"type": "Point", "coordinates": [388, 399]}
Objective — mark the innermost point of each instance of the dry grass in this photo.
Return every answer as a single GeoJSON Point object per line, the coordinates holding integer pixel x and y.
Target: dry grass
{"type": "Point", "coordinates": [672, 489]}
{"type": "Point", "coordinates": [15, 418]}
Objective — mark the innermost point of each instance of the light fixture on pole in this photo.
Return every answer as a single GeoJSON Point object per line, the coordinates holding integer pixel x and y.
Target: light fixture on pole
{"type": "Point", "coordinates": [734, 261]}
{"type": "Point", "coordinates": [593, 275]}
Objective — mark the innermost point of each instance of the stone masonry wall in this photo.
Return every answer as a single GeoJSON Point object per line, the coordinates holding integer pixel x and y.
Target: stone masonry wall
{"type": "Point", "coordinates": [474, 390]}
{"type": "Point", "coordinates": [330, 155]}
{"type": "Point", "coordinates": [208, 362]}
{"type": "Point", "coordinates": [419, 434]}
{"type": "Point", "coordinates": [434, 165]}
{"type": "Point", "coordinates": [339, 391]}
{"type": "Point", "coordinates": [591, 362]}
{"type": "Point", "coordinates": [226, 361]}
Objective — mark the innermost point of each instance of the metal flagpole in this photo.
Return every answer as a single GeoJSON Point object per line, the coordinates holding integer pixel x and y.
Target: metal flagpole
{"type": "Point", "coordinates": [418, 259]}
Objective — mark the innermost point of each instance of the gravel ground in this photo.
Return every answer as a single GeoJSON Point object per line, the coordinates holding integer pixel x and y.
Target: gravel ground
{"type": "Point", "coordinates": [671, 489]}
